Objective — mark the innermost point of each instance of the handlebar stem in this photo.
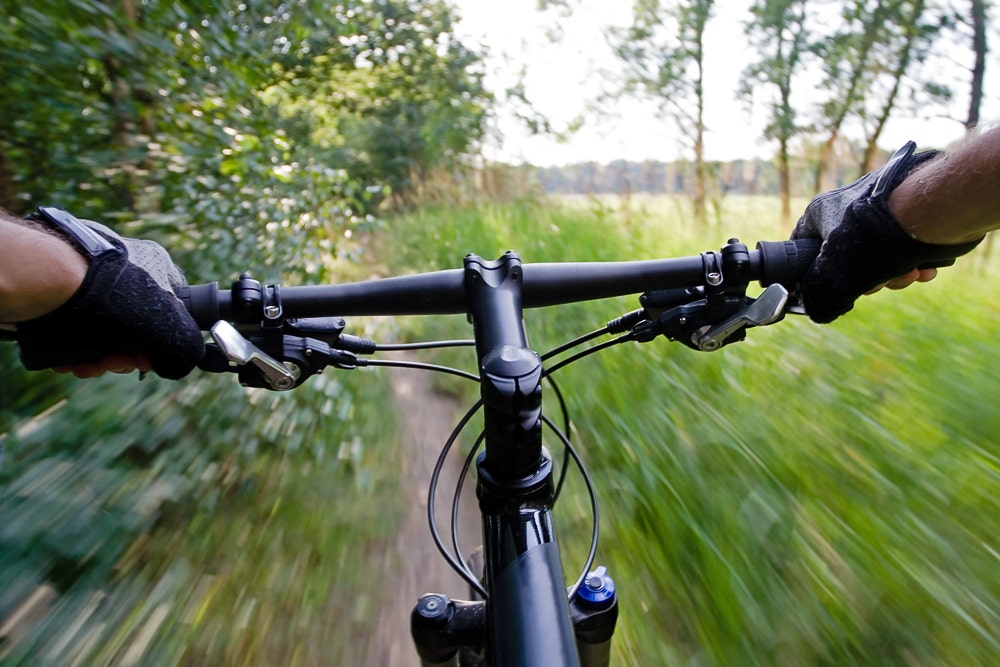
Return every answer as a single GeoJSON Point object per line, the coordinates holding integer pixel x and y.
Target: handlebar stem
{"type": "Point", "coordinates": [511, 373]}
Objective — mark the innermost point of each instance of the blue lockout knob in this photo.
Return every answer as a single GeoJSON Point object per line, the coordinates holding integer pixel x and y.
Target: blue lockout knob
{"type": "Point", "coordinates": [598, 589]}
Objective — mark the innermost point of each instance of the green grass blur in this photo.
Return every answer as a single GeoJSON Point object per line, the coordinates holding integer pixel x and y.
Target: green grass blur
{"type": "Point", "coordinates": [812, 496]}
{"type": "Point", "coordinates": [194, 523]}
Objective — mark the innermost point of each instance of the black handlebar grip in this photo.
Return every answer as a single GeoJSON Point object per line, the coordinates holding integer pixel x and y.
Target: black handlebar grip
{"type": "Point", "coordinates": [202, 301]}
{"type": "Point", "coordinates": [785, 262]}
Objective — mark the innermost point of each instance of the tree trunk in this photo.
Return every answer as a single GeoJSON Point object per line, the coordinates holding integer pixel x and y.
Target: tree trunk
{"type": "Point", "coordinates": [905, 55]}
{"type": "Point", "coordinates": [870, 25]}
{"type": "Point", "coordinates": [979, 49]}
{"type": "Point", "coordinates": [699, 170]}
{"type": "Point", "coordinates": [784, 181]}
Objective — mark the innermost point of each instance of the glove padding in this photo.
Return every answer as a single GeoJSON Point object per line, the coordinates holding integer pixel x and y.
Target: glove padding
{"type": "Point", "coordinates": [127, 304]}
{"type": "Point", "coordinates": [863, 244]}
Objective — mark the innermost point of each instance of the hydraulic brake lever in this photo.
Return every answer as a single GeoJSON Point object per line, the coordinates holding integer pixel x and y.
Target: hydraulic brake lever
{"type": "Point", "coordinates": [238, 350]}
{"type": "Point", "coordinates": [769, 307]}
{"type": "Point", "coordinates": [300, 359]}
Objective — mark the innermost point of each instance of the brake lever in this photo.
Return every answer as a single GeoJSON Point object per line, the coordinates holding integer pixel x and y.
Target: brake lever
{"type": "Point", "coordinates": [241, 352]}
{"type": "Point", "coordinates": [300, 359]}
{"type": "Point", "coordinates": [768, 308]}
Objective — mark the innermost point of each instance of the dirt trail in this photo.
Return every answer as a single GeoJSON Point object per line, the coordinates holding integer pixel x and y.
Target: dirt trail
{"type": "Point", "coordinates": [415, 567]}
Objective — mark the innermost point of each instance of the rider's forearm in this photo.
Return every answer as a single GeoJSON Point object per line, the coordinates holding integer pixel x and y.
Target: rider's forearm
{"type": "Point", "coordinates": [954, 198]}
{"type": "Point", "coordinates": [38, 271]}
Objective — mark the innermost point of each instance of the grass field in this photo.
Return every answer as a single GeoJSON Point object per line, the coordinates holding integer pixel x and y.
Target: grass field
{"type": "Point", "coordinates": [813, 496]}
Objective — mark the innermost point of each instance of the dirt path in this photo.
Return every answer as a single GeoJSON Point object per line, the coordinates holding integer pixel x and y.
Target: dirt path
{"type": "Point", "coordinates": [415, 567]}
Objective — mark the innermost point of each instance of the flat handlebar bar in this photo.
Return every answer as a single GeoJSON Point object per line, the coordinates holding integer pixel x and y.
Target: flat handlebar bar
{"type": "Point", "coordinates": [544, 284]}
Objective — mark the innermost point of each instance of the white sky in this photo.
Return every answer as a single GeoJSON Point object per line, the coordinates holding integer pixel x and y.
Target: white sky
{"type": "Point", "coordinates": [561, 78]}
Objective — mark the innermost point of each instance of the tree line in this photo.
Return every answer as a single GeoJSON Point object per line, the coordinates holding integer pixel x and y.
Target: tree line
{"type": "Point", "coordinates": [869, 60]}
{"type": "Point", "coordinates": [756, 176]}
{"type": "Point", "coordinates": [231, 120]}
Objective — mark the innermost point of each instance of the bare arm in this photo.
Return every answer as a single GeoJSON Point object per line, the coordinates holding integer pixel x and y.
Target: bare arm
{"type": "Point", "coordinates": [954, 198]}
{"type": "Point", "coordinates": [38, 271]}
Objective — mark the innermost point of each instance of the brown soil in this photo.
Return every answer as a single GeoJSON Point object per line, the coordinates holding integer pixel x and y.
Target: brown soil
{"type": "Point", "coordinates": [414, 566]}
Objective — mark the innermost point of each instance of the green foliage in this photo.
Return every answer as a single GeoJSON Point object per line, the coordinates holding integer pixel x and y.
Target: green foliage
{"type": "Point", "coordinates": [266, 130]}
{"type": "Point", "coordinates": [812, 496]}
{"type": "Point", "coordinates": [872, 57]}
{"type": "Point", "coordinates": [663, 51]}
{"type": "Point", "coordinates": [779, 33]}
{"type": "Point", "coordinates": [241, 135]}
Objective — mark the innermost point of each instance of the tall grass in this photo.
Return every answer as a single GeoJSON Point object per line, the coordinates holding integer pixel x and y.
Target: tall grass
{"type": "Point", "coordinates": [812, 496]}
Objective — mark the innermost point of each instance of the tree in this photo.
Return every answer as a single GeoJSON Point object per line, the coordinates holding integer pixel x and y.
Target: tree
{"type": "Point", "coordinates": [979, 49]}
{"type": "Point", "coordinates": [663, 54]}
{"type": "Point", "coordinates": [909, 44]}
{"type": "Point", "coordinates": [866, 62]}
{"type": "Point", "coordinates": [262, 129]}
{"type": "Point", "coordinates": [779, 34]}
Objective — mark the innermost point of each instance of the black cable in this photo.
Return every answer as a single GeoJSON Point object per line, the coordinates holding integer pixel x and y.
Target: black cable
{"type": "Point", "coordinates": [457, 497]}
{"type": "Point", "coordinates": [455, 560]}
{"type": "Point", "coordinates": [419, 365]}
{"type": "Point", "coordinates": [593, 504]}
{"type": "Point", "coordinates": [564, 468]}
{"type": "Point", "coordinates": [573, 343]}
{"type": "Point", "coordinates": [590, 350]}
{"type": "Point", "coordinates": [428, 345]}
{"type": "Point", "coordinates": [460, 568]}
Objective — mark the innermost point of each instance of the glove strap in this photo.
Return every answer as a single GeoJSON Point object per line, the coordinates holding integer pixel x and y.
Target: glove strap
{"type": "Point", "coordinates": [895, 172]}
{"type": "Point", "coordinates": [89, 243]}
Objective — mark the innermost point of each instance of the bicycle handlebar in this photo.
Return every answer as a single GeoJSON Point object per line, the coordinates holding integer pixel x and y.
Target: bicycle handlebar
{"type": "Point", "coordinates": [544, 284]}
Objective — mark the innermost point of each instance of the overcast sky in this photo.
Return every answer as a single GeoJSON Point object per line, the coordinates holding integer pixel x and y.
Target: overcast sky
{"type": "Point", "coordinates": [561, 77]}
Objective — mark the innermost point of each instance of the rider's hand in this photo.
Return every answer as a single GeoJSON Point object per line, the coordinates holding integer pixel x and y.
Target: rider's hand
{"type": "Point", "coordinates": [864, 247]}
{"type": "Point", "coordinates": [125, 315]}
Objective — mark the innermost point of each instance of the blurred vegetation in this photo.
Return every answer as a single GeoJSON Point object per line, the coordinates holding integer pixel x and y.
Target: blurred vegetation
{"type": "Point", "coordinates": [813, 496]}
{"type": "Point", "coordinates": [161, 520]}
{"type": "Point", "coordinates": [156, 522]}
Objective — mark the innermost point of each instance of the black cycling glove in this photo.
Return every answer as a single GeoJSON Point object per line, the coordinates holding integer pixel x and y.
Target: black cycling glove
{"type": "Point", "coordinates": [863, 244]}
{"type": "Point", "coordinates": [127, 304]}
